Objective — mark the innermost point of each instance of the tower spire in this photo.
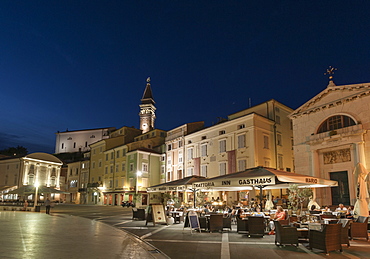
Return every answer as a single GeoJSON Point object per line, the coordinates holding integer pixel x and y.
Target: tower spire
{"type": "Point", "coordinates": [147, 109]}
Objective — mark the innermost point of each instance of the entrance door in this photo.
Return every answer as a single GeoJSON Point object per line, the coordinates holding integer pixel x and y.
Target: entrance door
{"type": "Point", "coordinates": [340, 194]}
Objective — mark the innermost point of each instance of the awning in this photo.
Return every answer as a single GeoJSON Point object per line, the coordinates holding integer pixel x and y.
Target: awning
{"type": "Point", "coordinates": [4, 188]}
{"type": "Point", "coordinates": [30, 189]}
{"type": "Point", "coordinates": [258, 177]}
{"type": "Point", "coordinates": [180, 185]}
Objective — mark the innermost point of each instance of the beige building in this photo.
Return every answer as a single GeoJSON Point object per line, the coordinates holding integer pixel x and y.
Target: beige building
{"type": "Point", "coordinates": [258, 136]}
{"type": "Point", "coordinates": [331, 138]}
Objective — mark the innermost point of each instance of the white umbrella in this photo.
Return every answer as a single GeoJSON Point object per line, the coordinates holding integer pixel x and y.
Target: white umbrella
{"type": "Point", "coordinates": [269, 204]}
{"type": "Point", "coordinates": [313, 201]}
{"type": "Point", "coordinates": [361, 205]}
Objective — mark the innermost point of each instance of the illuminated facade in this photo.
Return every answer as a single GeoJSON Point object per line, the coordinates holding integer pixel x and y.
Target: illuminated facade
{"type": "Point", "coordinates": [331, 137]}
{"type": "Point", "coordinates": [40, 169]}
{"type": "Point", "coordinates": [79, 140]}
{"type": "Point", "coordinates": [258, 136]}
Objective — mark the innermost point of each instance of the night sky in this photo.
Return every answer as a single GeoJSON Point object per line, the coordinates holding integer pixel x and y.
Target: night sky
{"type": "Point", "coordinates": [83, 64]}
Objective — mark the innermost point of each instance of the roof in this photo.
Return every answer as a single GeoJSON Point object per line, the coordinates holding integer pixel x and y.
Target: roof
{"type": "Point", "coordinates": [45, 157]}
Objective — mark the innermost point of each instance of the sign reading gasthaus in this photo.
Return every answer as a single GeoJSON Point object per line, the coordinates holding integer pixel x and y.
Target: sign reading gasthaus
{"type": "Point", "coordinates": [233, 182]}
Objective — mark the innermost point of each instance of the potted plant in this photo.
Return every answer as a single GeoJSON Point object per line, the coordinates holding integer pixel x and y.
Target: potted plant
{"type": "Point", "coordinates": [297, 196]}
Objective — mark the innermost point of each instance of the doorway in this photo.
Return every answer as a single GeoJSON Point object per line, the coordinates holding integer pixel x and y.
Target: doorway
{"type": "Point", "coordinates": [340, 193]}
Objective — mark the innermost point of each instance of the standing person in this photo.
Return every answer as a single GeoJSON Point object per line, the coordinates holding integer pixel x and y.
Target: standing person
{"type": "Point", "coordinates": [47, 205]}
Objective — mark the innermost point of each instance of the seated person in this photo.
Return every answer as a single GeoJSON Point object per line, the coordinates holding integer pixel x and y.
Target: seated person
{"type": "Point", "coordinates": [350, 212]}
{"type": "Point", "coordinates": [258, 212]}
{"type": "Point", "coordinates": [280, 215]}
{"type": "Point", "coordinates": [341, 208]}
{"type": "Point", "coordinates": [326, 209]}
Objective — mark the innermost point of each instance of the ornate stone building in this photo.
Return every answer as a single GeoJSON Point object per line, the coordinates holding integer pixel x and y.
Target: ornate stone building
{"type": "Point", "coordinates": [331, 137]}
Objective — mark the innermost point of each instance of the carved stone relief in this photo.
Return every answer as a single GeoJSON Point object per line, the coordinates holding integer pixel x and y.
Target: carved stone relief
{"type": "Point", "coordinates": [337, 156]}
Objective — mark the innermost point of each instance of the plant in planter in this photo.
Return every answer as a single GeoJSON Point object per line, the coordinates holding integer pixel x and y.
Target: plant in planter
{"type": "Point", "coordinates": [297, 196]}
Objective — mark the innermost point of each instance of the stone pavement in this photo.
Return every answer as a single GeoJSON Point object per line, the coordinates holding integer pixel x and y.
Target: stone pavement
{"type": "Point", "coordinates": [38, 235]}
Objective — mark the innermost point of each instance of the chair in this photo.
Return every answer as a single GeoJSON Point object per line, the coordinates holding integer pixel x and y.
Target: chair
{"type": "Point", "coordinates": [359, 228]}
{"type": "Point", "coordinates": [285, 235]}
{"type": "Point", "coordinates": [138, 214]}
{"type": "Point", "coordinates": [241, 225]}
{"type": "Point", "coordinates": [203, 223]}
{"type": "Point", "coordinates": [328, 239]}
{"type": "Point", "coordinates": [344, 233]}
{"type": "Point", "coordinates": [284, 222]}
{"type": "Point", "coordinates": [256, 226]}
{"type": "Point", "coordinates": [293, 219]}
{"type": "Point", "coordinates": [227, 223]}
{"type": "Point", "coordinates": [216, 222]}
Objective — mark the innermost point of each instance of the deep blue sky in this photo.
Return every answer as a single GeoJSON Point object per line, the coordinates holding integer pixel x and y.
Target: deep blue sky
{"type": "Point", "coordinates": [83, 64]}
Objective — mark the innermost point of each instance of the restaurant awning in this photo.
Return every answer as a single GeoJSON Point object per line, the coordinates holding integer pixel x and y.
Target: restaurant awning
{"type": "Point", "coordinates": [180, 185]}
{"type": "Point", "coordinates": [268, 178]}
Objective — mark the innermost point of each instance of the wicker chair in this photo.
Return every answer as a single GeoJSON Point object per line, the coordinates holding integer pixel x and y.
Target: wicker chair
{"type": "Point", "coordinates": [216, 222]}
{"type": "Point", "coordinates": [359, 228]}
{"type": "Point", "coordinates": [242, 225]}
{"type": "Point", "coordinates": [203, 223]}
{"type": "Point", "coordinates": [256, 226]}
{"type": "Point", "coordinates": [328, 239]}
{"type": "Point", "coordinates": [327, 217]}
{"type": "Point", "coordinates": [285, 235]}
{"type": "Point", "coordinates": [344, 233]}
{"type": "Point", "coordinates": [227, 222]}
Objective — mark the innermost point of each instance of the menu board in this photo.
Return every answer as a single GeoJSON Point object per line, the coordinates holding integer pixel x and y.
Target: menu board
{"type": "Point", "coordinates": [157, 214]}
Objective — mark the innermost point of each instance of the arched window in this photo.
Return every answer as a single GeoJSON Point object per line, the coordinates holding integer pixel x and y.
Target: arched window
{"type": "Point", "coordinates": [336, 122]}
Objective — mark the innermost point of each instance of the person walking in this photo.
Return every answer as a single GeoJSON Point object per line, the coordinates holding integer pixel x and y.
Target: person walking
{"type": "Point", "coordinates": [47, 205]}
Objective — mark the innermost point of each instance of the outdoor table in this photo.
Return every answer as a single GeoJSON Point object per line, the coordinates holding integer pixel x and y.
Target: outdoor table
{"type": "Point", "coordinates": [302, 233]}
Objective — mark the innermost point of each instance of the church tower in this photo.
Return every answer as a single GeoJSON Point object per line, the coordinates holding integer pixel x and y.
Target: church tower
{"type": "Point", "coordinates": [147, 109]}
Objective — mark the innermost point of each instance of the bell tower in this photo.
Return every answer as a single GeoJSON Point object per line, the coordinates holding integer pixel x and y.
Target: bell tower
{"type": "Point", "coordinates": [147, 109]}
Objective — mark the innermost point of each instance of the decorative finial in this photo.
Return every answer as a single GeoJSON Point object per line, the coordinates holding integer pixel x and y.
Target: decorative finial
{"type": "Point", "coordinates": [148, 80]}
{"type": "Point", "coordinates": [330, 72]}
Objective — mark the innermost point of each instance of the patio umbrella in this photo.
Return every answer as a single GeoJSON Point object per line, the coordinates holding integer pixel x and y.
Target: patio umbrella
{"type": "Point", "coordinates": [313, 202]}
{"type": "Point", "coordinates": [269, 204]}
{"type": "Point", "coordinates": [361, 205]}
{"type": "Point", "coordinates": [30, 189]}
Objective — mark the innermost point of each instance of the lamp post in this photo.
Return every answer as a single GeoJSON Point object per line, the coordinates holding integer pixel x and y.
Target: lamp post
{"type": "Point", "coordinates": [36, 194]}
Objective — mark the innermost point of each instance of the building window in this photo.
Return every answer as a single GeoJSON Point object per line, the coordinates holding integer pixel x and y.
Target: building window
{"type": "Point", "coordinates": [190, 171]}
{"type": "Point", "coordinates": [123, 167]}
{"type": "Point", "coordinates": [111, 155]}
{"type": "Point", "coordinates": [74, 144]}
{"type": "Point", "coordinates": [168, 176]}
{"type": "Point", "coordinates": [242, 165]}
{"type": "Point", "coordinates": [163, 158]}
{"type": "Point", "coordinates": [76, 171]}
{"type": "Point", "coordinates": [180, 143]}
{"type": "Point", "coordinates": [190, 154]}
{"type": "Point", "coordinates": [145, 167]}
{"type": "Point", "coordinates": [204, 137]}
{"type": "Point", "coordinates": [169, 147]}
{"type": "Point", "coordinates": [203, 150]}
{"type": "Point", "coordinates": [111, 169]}
{"type": "Point", "coordinates": [86, 144]}
{"type": "Point", "coordinates": [279, 140]}
{"type": "Point", "coordinates": [62, 145]}
{"type": "Point", "coordinates": [241, 141]}
{"type": "Point", "coordinates": [180, 156]}
{"type": "Point", "coordinates": [106, 170]}
{"type": "Point", "coordinates": [131, 167]}
{"type": "Point", "coordinates": [266, 142]}
{"type": "Point", "coordinates": [222, 168]}
{"type": "Point", "coordinates": [99, 162]}
{"type": "Point", "coordinates": [277, 119]}
{"type": "Point", "coordinates": [92, 136]}
{"type": "Point", "coordinates": [241, 126]}
{"type": "Point", "coordinates": [117, 154]}
{"type": "Point", "coordinates": [221, 132]}
{"type": "Point", "coordinates": [222, 145]}
{"type": "Point", "coordinates": [144, 182]}
{"type": "Point", "coordinates": [203, 171]}
{"type": "Point", "coordinates": [280, 162]}
{"type": "Point", "coordinates": [117, 168]}
{"type": "Point", "coordinates": [336, 122]}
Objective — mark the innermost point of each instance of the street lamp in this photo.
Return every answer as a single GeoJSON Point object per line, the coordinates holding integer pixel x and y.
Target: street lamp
{"type": "Point", "coordinates": [36, 193]}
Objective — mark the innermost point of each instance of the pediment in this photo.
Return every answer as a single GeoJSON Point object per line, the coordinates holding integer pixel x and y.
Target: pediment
{"type": "Point", "coordinates": [332, 96]}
